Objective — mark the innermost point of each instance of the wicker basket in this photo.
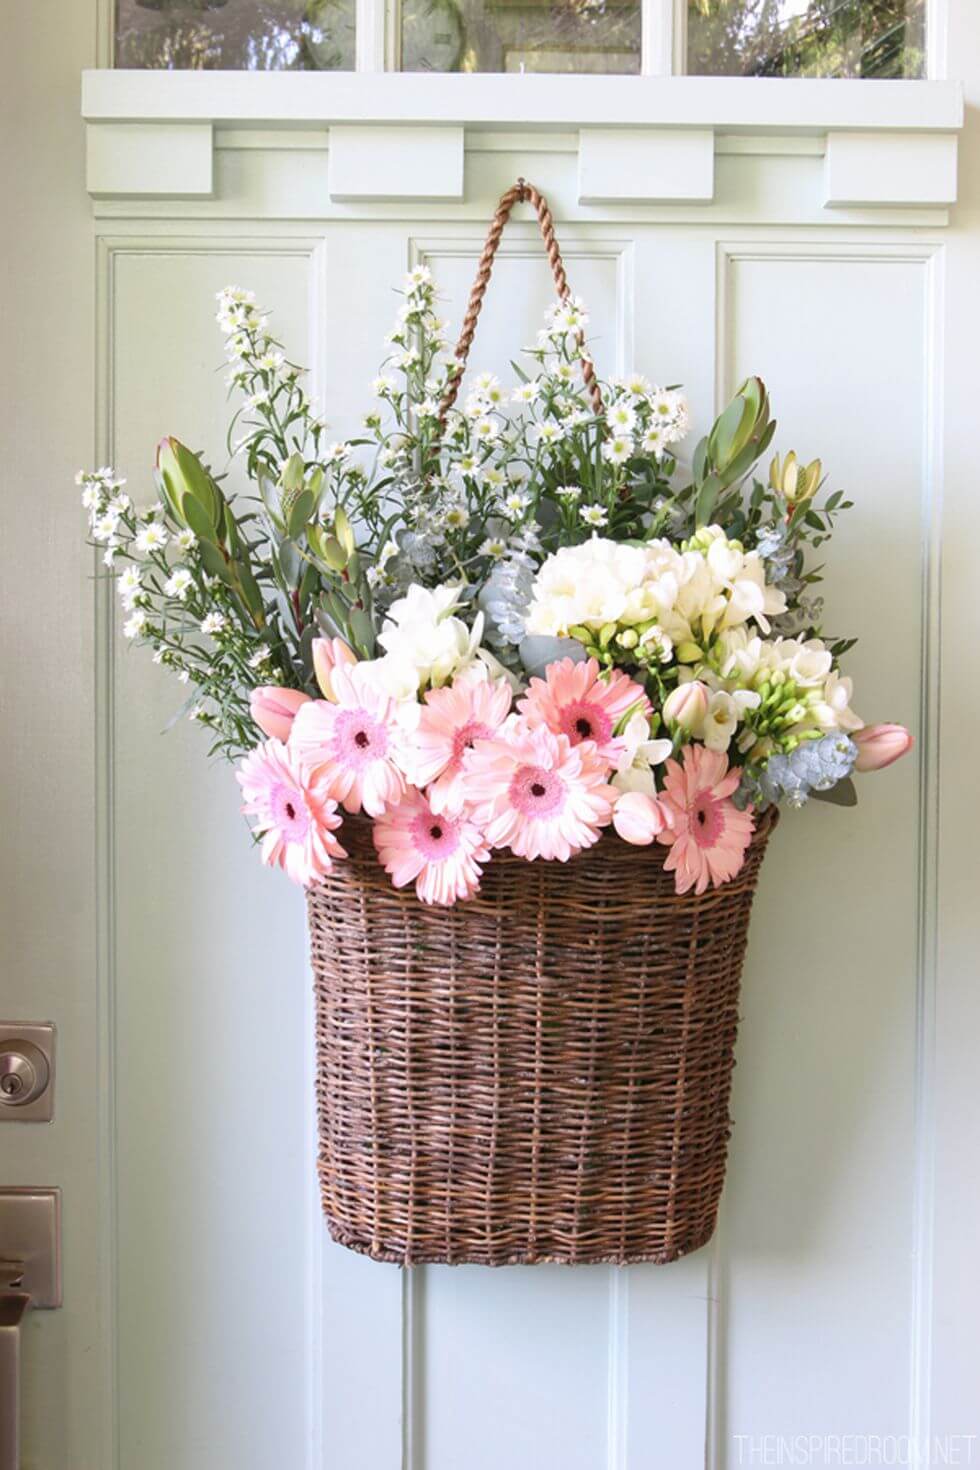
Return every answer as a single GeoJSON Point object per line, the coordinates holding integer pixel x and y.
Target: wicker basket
{"type": "Point", "coordinates": [539, 1074]}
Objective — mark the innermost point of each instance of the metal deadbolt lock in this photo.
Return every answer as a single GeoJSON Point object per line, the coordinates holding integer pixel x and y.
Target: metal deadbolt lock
{"type": "Point", "coordinates": [24, 1073]}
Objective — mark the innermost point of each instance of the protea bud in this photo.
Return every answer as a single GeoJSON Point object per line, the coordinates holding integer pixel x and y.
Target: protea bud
{"type": "Point", "coordinates": [291, 484]}
{"type": "Point", "coordinates": [793, 481]}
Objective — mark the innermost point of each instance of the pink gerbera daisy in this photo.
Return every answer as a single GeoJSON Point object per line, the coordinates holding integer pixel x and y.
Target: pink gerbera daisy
{"type": "Point", "coordinates": [532, 791]}
{"type": "Point", "coordinates": [472, 708]}
{"type": "Point", "coordinates": [576, 700]}
{"type": "Point", "coordinates": [708, 834]}
{"type": "Point", "coordinates": [440, 852]}
{"type": "Point", "coordinates": [357, 738]}
{"type": "Point", "coordinates": [296, 814]}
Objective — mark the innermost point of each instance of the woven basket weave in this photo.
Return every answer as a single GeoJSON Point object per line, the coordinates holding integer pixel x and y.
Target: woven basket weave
{"type": "Point", "coordinates": [538, 1074]}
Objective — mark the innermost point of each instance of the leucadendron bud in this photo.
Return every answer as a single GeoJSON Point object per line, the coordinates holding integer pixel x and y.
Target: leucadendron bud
{"type": "Point", "coordinates": [793, 481]}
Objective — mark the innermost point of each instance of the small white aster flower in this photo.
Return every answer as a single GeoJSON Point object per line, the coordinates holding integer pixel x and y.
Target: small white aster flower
{"type": "Point", "coordinates": [637, 384]}
{"type": "Point", "coordinates": [109, 555]}
{"type": "Point", "coordinates": [494, 479]}
{"type": "Point", "coordinates": [594, 515]}
{"type": "Point", "coordinates": [213, 624]}
{"type": "Point", "coordinates": [259, 657]}
{"type": "Point", "coordinates": [272, 362]}
{"type": "Point", "coordinates": [653, 441]}
{"type": "Point", "coordinates": [485, 430]}
{"type": "Point", "coordinates": [185, 539]}
{"type": "Point", "coordinates": [569, 492]}
{"type": "Point", "coordinates": [105, 526]}
{"type": "Point", "coordinates": [617, 450]}
{"type": "Point", "coordinates": [92, 497]}
{"type": "Point", "coordinates": [151, 538]}
{"type": "Point", "coordinates": [419, 275]}
{"type": "Point", "coordinates": [129, 583]}
{"type": "Point", "coordinates": [337, 452]}
{"type": "Point", "coordinates": [178, 584]}
{"type": "Point", "coordinates": [484, 382]}
{"type": "Point", "coordinates": [515, 504]}
{"type": "Point", "coordinates": [664, 405]}
{"type": "Point", "coordinates": [621, 418]}
{"type": "Point", "coordinates": [526, 392]}
{"type": "Point", "coordinates": [428, 409]}
{"type": "Point", "coordinates": [549, 433]}
{"type": "Point", "coordinates": [196, 712]}
{"type": "Point", "coordinates": [134, 624]}
{"type": "Point", "coordinates": [493, 546]}
{"type": "Point", "coordinates": [383, 387]}
{"type": "Point", "coordinates": [157, 656]}
{"type": "Point", "coordinates": [468, 464]}
{"type": "Point", "coordinates": [183, 676]}
{"type": "Point", "coordinates": [456, 517]}
{"type": "Point", "coordinates": [256, 400]}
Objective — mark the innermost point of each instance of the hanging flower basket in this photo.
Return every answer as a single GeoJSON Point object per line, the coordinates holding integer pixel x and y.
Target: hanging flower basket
{"type": "Point", "coordinates": [529, 709]}
{"type": "Point", "coordinates": [541, 1074]}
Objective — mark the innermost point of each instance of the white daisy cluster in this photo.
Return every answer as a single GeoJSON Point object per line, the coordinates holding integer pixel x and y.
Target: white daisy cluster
{"type": "Point", "coordinates": [643, 419]}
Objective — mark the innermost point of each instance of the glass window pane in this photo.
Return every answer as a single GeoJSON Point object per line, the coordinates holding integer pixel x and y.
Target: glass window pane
{"type": "Point", "coordinates": [236, 35]}
{"type": "Point", "coordinates": [806, 38]}
{"type": "Point", "coordinates": [520, 35]}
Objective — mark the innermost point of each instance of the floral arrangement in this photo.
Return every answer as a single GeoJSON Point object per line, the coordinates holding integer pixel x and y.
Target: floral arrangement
{"type": "Point", "coordinates": [507, 625]}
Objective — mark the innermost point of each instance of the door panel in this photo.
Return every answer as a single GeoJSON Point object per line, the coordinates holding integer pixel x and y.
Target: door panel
{"type": "Point", "coordinates": [209, 1323]}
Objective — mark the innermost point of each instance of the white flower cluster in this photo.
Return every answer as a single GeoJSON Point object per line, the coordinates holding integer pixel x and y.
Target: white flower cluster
{"type": "Point", "coordinates": [644, 419]}
{"type": "Point", "coordinates": [676, 597]}
{"type": "Point", "coordinates": [107, 505]}
{"type": "Point", "coordinates": [804, 670]}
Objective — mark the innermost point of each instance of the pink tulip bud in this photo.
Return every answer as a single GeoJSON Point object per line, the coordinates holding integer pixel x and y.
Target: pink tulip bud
{"type": "Point", "coordinates": [686, 706]}
{"type": "Point", "coordinates": [274, 709]}
{"type": "Point", "coordinates": [639, 818]}
{"type": "Point", "coordinates": [879, 745]}
{"type": "Point", "coordinates": [327, 654]}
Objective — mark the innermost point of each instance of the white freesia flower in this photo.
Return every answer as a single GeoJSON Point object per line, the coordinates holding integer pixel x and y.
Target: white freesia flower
{"type": "Point", "coordinates": [725, 712]}
{"type": "Point", "coordinates": [634, 769]}
{"type": "Point", "coordinates": [833, 711]}
{"type": "Point", "coordinates": [425, 640]}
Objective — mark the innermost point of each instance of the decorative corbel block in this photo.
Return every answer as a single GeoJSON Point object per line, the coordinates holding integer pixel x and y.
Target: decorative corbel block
{"type": "Point", "coordinates": [889, 169]}
{"type": "Point", "coordinates": [645, 165]}
{"type": "Point", "coordinates": [164, 160]}
{"type": "Point", "coordinates": [383, 163]}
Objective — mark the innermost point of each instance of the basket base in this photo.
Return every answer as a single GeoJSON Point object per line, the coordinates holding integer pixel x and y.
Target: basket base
{"type": "Point", "coordinates": [519, 1258]}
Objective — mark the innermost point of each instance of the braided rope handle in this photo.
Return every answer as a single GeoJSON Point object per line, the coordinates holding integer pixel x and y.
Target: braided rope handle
{"type": "Point", "coordinates": [517, 194]}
